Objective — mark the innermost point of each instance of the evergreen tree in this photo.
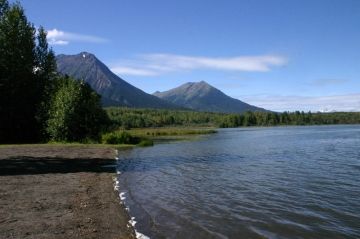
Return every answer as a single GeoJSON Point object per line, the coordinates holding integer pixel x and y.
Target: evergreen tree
{"type": "Point", "coordinates": [4, 6]}
{"type": "Point", "coordinates": [18, 94]}
{"type": "Point", "coordinates": [27, 67]}
{"type": "Point", "coordinates": [45, 71]}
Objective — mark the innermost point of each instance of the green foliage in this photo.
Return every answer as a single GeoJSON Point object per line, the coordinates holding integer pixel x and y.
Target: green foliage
{"type": "Point", "coordinates": [17, 81]}
{"type": "Point", "coordinates": [169, 131]}
{"type": "Point", "coordinates": [146, 143]}
{"type": "Point", "coordinates": [119, 137]}
{"type": "Point", "coordinates": [75, 112]}
{"type": "Point", "coordinates": [144, 118]}
{"type": "Point", "coordinates": [123, 137]}
{"type": "Point", "coordinates": [26, 64]}
{"type": "Point", "coordinates": [4, 6]}
{"type": "Point", "coordinates": [46, 75]}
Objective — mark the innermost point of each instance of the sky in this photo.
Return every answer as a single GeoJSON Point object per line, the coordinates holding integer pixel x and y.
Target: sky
{"type": "Point", "coordinates": [283, 55]}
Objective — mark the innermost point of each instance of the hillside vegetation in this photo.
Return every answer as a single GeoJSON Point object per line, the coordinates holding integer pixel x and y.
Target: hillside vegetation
{"type": "Point", "coordinates": [142, 118]}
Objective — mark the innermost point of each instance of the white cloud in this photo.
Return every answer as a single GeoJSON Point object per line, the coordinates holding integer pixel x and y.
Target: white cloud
{"type": "Point", "coordinates": [164, 63]}
{"type": "Point", "coordinates": [349, 102]}
{"type": "Point", "coordinates": [57, 37]}
{"type": "Point", "coordinates": [240, 63]}
{"type": "Point", "coordinates": [58, 42]}
{"type": "Point", "coordinates": [132, 71]}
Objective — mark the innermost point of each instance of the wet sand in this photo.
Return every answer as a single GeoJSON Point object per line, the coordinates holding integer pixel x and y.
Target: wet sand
{"type": "Point", "coordinates": [60, 192]}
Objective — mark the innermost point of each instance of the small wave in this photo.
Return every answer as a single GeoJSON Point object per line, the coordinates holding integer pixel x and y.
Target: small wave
{"type": "Point", "coordinates": [122, 197]}
{"type": "Point", "coordinates": [249, 185]}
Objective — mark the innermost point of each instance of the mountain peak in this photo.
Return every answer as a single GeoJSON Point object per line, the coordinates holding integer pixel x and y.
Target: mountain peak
{"type": "Point", "coordinates": [85, 54]}
{"type": "Point", "coordinates": [196, 88]}
{"type": "Point", "coordinates": [79, 56]}
{"type": "Point", "coordinates": [204, 97]}
{"type": "Point", "coordinates": [199, 83]}
{"type": "Point", "coordinates": [114, 90]}
{"type": "Point", "coordinates": [203, 84]}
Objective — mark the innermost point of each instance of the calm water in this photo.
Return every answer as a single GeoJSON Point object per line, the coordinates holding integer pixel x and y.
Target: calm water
{"type": "Point", "coordinates": [280, 182]}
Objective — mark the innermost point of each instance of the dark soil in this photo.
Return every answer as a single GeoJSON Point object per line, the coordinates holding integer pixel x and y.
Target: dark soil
{"type": "Point", "coordinates": [60, 192]}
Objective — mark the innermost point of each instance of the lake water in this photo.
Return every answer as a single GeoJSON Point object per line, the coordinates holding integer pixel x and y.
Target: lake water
{"type": "Point", "coordinates": [276, 182]}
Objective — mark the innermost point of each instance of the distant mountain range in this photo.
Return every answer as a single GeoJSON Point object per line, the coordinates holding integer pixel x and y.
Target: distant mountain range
{"type": "Point", "coordinates": [116, 92]}
{"type": "Point", "coordinates": [203, 97]}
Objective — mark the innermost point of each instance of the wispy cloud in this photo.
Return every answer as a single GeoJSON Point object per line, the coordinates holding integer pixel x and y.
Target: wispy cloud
{"type": "Point", "coordinates": [157, 64]}
{"type": "Point", "coordinates": [349, 102]}
{"type": "Point", "coordinates": [57, 37]}
{"type": "Point", "coordinates": [132, 71]}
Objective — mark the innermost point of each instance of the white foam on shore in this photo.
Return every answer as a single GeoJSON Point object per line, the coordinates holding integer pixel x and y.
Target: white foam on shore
{"type": "Point", "coordinates": [116, 185]}
{"type": "Point", "coordinates": [139, 235]}
{"type": "Point", "coordinates": [117, 154]}
{"type": "Point", "coordinates": [132, 221]}
{"type": "Point", "coordinates": [122, 197]}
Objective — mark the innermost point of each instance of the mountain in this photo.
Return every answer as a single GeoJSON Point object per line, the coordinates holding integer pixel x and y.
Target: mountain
{"type": "Point", "coordinates": [204, 97]}
{"type": "Point", "coordinates": [114, 90]}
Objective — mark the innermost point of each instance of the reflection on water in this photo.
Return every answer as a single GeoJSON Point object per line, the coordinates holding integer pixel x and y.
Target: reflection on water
{"type": "Point", "coordinates": [280, 182]}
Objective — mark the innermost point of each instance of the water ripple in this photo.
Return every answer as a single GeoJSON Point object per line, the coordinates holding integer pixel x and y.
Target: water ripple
{"type": "Point", "coordinates": [290, 182]}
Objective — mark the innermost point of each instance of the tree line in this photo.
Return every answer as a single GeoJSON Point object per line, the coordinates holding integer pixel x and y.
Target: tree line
{"type": "Point", "coordinates": [36, 103]}
{"type": "Point", "coordinates": [142, 118]}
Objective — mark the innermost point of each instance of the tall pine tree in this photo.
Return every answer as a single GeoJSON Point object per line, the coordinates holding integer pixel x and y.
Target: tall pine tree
{"type": "Point", "coordinates": [45, 71]}
{"type": "Point", "coordinates": [26, 66]}
{"type": "Point", "coordinates": [17, 90]}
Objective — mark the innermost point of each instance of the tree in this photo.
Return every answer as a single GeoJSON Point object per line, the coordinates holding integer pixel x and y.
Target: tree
{"type": "Point", "coordinates": [4, 6]}
{"type": "Point", "coordinates": [18, 95]}
{"type": "Point", "coordinates": [249, 119]}
{"type": "Point", "coordinates": [27, 67]}
{"type": "Point", "coordinates": [75, 112]}
{"type": "Point", "coordinates": [46, 75]}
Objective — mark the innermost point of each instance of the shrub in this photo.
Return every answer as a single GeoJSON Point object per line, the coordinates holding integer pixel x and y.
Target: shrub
{"type": "Point", "coordinates": [119, 137]}
{"type": "Point", "coordinates": [75, 112]}
{"type": "Point", "coordinates": [146, 143]}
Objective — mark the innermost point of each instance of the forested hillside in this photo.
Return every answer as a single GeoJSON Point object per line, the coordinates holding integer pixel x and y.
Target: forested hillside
{"type": "Point", "coordinates": [139, 118]}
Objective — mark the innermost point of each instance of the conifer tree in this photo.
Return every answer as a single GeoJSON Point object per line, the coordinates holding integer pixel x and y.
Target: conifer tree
{"type": "Point", "coordinates": [45, 72]}
{"type": "Point", "coordinates": [17, 81]}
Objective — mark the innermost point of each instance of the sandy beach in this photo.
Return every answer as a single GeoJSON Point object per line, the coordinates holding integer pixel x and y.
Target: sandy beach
{"type": "Point", "coordinates": [53, 191]}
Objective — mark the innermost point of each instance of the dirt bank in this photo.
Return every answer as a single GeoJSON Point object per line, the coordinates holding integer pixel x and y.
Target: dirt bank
{"type": "Point", "coordinates": [59, 192]}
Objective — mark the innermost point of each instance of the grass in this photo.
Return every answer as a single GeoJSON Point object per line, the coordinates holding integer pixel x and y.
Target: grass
{"type": "Point", "coordinates": [123, 139]}
{"type": "Point", "coordinates": [120, 137]}
{"type": "Point", "coordinates": [169, 131]}
{"type": "Point", "coordinates": [146, 143]}
{"type": "Point", "coordinates": [145, 136]}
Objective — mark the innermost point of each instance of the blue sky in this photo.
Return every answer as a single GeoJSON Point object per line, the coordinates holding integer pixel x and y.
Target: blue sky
{"type": "Point", "coordinates": [277, 54]}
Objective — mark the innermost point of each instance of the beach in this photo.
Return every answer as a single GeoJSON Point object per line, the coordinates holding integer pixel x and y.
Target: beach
{"type": "Point", "coordinates": [60, 191]}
